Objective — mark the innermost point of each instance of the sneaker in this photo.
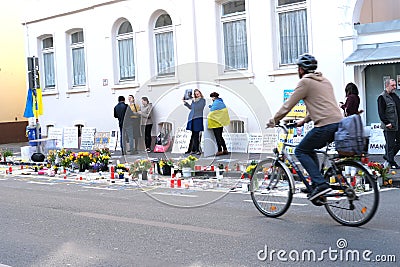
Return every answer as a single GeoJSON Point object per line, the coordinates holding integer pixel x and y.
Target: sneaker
{"type": "Point", "coordinates": [395, 166]}
{"type": "Point", "coordinates": [197, 153]}
{"type": "Point", "coordinates": [148, 150]}
{"type": "Point", "coordinates": [188, 152]}
{"type": "Point", "coordinates": [319, 191]}
{"type": "Point", "coordinates": [225, 152]}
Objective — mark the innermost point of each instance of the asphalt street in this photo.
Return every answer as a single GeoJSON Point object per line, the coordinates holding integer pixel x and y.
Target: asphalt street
{"type": "Point", "coordinates": [49, 221]}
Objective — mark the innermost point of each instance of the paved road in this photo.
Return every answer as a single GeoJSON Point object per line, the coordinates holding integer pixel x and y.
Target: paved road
{"type": "Point", "coordinates": [53, 223]}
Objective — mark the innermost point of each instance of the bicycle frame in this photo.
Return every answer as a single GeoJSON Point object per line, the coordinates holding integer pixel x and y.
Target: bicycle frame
{"type": "Point", "coordinates": [284, 154]}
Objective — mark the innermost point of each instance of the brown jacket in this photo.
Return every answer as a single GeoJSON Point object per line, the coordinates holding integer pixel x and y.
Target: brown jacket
{"type": "Point", "coordinates": [319, 98]}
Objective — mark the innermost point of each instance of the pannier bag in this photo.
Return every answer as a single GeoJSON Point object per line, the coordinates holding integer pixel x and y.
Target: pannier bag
{"type": "Point", "coordinates": [349, 139]}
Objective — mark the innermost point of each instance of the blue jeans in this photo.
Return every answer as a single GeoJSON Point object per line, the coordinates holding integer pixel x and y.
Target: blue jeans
{"type": "Point", "coordinates": [317, 138]}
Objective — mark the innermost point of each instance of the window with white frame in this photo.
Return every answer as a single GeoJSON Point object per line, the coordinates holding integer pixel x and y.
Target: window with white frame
{"type": "Point", "coordinates": [236, 126]}
{"type": "Point", "coordinates": [48, 73]}
{"type": "Point", "coordinates": [78, 59]}
{"type": "Point", "coordinates": [233, 21]}
{"type": "Point", "coordinates": [126, 57]}
{"type": "Point", "coordinates": [293, 33]}
{"type": "Point", "coordinates": [164, 46]}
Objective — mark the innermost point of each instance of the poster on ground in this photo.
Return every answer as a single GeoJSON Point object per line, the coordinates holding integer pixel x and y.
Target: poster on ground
{"type": "Point", "coordinates": [70, 137]}
{"type": "Point", "coordinates": [87, 138]}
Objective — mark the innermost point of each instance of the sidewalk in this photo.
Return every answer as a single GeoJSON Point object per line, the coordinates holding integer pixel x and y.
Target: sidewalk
{"type": "Point", "coordinates": [236, 162]}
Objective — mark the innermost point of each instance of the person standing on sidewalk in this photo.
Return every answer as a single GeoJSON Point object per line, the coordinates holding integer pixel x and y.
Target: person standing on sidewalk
{"type": "Point", "coordinates": [119, 113]}
{"type": "Point", "coordinates": [134, 131]}
{"type": "Point", "coordinates": [217, 119]}
{"type": "Point", "coordinates": [195, 121]}
{"type": "Point", "coordinates": [146, 121]}
{"type": "Point", "coordinates": [350, 107]}
{"type": "Point", "coordinates": [389, 112]}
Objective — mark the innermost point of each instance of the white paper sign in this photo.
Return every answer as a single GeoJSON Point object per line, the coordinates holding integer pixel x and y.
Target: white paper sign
{"type": "Point", "coordinates": [57, 134]}
{"type": "Point", "coordinates": [87, 138]}
{"type": "Point", "coordinates": [270, 141]}
{"type": "Point", "coordinates": [255, 143]}
{"type": "Point", "coordinates": [70, 137]}
{"type": "Point", "coordinates": [376, 140]}
{"type": "Point", "coordinates": [236, 142]}
{"type": "Point", "coordinates": [181, 140]}
{"type": "Point", "coordinates": [114, 140]}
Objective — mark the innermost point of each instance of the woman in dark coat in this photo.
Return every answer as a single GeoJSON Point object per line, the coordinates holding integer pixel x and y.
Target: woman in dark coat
{"type": "Point", "coordinates": [352, 103]}
{"type": "Point", "coordinates": [195, 121]}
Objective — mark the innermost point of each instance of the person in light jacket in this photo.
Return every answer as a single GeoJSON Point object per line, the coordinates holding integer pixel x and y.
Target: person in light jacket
{"type": "Point", "coordinates": [146, 121]}
{"type": "Point", "coordinates": [195, 121]}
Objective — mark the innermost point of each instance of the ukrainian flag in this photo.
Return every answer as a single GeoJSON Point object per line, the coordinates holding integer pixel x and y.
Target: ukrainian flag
{"type": "Point", "coordinates": [34, 103]}
{"type": "Point", "coordinates": [219, 115]}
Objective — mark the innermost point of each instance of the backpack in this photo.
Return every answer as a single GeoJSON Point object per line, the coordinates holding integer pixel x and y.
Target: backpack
{"type": "Point", "coordinates": [349, 138]}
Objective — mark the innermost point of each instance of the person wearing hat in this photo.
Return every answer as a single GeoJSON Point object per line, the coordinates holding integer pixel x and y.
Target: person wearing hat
{"type": "Point", "coordinates": [318, 95]}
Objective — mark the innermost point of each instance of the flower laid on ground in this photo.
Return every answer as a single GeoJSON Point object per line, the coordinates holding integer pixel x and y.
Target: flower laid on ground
{"type": "Point", "coordinates": [140, 165]}
{"type": "Point", "coordinates": [379, 169]}
{"type": "Point", "coordinates": [83, 158]}
{"type": "Point", "coordinates": [249, 169]}
{"type": "Point", "coordinates": [188, 162]}
{"type": "Point", "coordinates": [101, 155]}
{"type": "Point", "coordinates": [51, 156]}
{"type": "Point", "coordinates": [121, 167]}
{"type": "Point", "coordinates": [66, 157]}
{"type": "Point", "coordinates": [167, 162]}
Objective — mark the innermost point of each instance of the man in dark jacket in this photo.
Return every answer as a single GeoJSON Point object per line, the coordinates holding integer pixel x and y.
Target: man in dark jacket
{"type": "Point", "coordinates": [389, 112]}
{"type": "Point", "coordinates": [119, 113]}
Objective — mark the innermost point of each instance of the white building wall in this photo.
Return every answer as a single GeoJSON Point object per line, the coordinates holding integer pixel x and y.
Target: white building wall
{"type": "Point", "coordinates": [198, 39]}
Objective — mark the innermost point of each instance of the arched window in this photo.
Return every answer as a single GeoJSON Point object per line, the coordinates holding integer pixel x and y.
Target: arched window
{"type": "Point", "coordinates": [126, 57]}
{"type": "Point", "coordinates": [164, 46]}
{"type": "Point", "coordinates": [233, 19]}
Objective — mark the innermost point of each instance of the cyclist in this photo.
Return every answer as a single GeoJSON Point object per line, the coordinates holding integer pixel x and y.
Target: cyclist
{"type": "Point", "coordinates": [317, 93]}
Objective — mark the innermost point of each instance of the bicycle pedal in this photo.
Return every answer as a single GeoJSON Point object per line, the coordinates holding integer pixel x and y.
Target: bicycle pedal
{"type": "Point", "coordinates": [320, 201]}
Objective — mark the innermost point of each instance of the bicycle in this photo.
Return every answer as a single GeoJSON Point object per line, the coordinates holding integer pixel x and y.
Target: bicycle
{"type": "Point", "coordinates": [352, 202]}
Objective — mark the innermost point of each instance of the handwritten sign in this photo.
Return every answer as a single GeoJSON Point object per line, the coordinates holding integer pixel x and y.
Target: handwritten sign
{"type": "Point", "coordinates": [255, 143]}
{"type": "Point", "coordinates": [57, 134]}
{"type": "Point", "coordinates": [181, 140]}
{"type": "Point", "coordinates": [236, 142]}
{"type": "Point", "coordinates": [87, 138]}
{"type": "Point", "coordinates": [101, 139]}
{"type": "Point", "coordinates": [269, 141]}
{"type": "Point", "coordinates": [70, 137]}
{"type": "Point", "coordinates": [376, 140]}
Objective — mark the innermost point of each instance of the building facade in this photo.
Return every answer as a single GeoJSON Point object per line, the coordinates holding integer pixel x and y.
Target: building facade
{"type": "Point", "coordinates": [90, 54]}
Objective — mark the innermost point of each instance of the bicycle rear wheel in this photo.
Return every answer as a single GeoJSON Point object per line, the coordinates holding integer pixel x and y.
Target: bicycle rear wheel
{"type": "Point", "coordinates": [271, 188]}
{"type": "Point", "coordinates": [355, 196]}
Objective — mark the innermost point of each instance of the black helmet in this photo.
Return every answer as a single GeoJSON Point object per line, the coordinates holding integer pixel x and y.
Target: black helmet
{"type": "Point", "coordinates": [307, 62]}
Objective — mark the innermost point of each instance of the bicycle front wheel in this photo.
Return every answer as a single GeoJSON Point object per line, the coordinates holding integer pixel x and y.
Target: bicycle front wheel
{"type": "Point", "coordinates": [355, 198]}
{"type": "Point", "coordinates": [271, 188]}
